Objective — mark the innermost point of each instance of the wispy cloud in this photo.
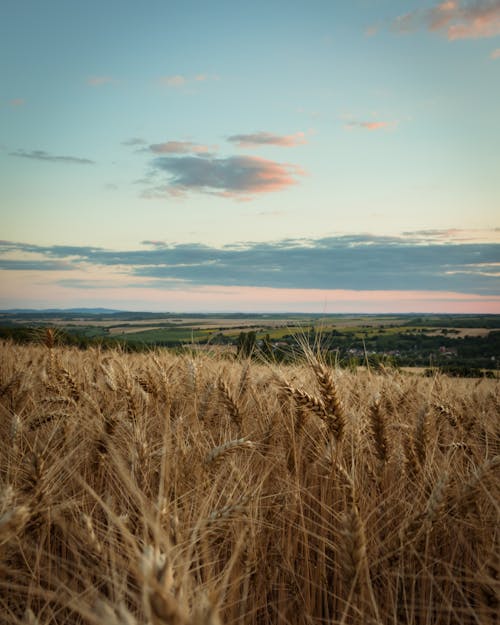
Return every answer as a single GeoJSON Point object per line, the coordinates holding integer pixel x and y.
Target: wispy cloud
{"type": "Point", "coordinates": [355, 262]}
{"type": "Point", "coordinates": [41, 155]}
{"type": "Point", "coordinates": [371, 125]}
{"type": "Point", "coordinates": [495, 54]}
{"type": "Point", "coordinates": [173, 81]}
{"type": "Point", "coordinates": [268, 138]}
{"type": "Point", "coordinates": [455, 19]}
{"type": "Point", "coordinates": [154, 243]}
{"type": "Point", "coordinates": [17, 102]}
{"type": "Point", "coordinates": [238, 177]}
{"type": "Point", "coordinates": [179, 147]}
{"type": "Point", "coordinates": [371, 31]}
{"type": "Point", "coordinates": [455, 235]}
{"type": "Point", "coordinates": [34, 265]}
{"type": "Point", "coordinates": [99, 81]}
{"type": "Point", "coordinates": [134, 141]}
{"type": "Point", "coordinates": [205, 77]}
{"type": "Point", "coordinates": [176, 81]}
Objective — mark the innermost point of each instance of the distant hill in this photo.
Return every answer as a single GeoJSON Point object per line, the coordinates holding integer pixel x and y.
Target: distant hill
{"type": "Point", "coordinates": [52, 311]}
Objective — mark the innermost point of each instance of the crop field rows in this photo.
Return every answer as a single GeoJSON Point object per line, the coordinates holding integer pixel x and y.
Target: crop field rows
{"type": "Point", "coordinates": [195, 490]}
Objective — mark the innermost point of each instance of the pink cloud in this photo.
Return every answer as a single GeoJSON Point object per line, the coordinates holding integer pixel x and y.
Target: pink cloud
{"type": "Point", "coordinates": [495, 54]}
{"type": "Point", "coordinates": [179, 147]}
{"type": "Point", "coordinates": [268, 138]}
{"type": "Point", "coordinates": [17, 102]}
{"type": "Point", "coordinates": [455, 19]}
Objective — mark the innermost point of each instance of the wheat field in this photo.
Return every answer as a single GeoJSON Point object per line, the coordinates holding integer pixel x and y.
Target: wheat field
{"type": "Point", "coordinates": [193, 490]}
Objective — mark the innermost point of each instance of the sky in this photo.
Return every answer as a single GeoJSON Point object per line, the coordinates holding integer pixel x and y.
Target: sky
{"type": "Point", "coordinates": [259, 156]}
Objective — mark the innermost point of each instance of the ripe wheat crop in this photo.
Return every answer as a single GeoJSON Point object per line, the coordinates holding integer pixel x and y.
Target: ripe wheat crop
{"type": "Point", "coordinates": [171, 489]}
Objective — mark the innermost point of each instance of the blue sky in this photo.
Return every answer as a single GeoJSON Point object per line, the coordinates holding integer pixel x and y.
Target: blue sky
{"type": "Point", "coordinates": [265, 127]}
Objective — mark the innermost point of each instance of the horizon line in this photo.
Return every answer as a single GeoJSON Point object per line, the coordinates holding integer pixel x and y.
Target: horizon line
{"type": "Point", "coordinates": [104, 310]}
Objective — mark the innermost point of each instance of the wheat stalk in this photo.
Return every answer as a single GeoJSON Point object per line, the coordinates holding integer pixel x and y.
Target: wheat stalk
{"type": "Point", "coordinates": [217, 453]}
{"type": "Point", "coordinates": [230, 403]}
{"type": "Point", "coordinates": [335, 417]}
{"type": "Point", "coordinates": [379, 431]}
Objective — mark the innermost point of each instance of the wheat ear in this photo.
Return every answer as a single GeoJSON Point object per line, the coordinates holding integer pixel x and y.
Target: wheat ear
{"type": "Point", "coordinates": [335, 416]}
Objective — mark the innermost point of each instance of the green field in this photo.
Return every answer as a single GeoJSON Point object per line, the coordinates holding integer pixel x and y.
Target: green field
{"type": "Point", "coordinates": [466, 343]}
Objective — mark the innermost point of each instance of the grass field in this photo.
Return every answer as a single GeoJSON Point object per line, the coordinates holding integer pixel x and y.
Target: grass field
{"type": "Point", "coordinates": [193, 490]}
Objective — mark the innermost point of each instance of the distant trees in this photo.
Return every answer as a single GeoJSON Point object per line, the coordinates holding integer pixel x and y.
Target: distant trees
{"type": "Point", "coordinates": [245, 344]}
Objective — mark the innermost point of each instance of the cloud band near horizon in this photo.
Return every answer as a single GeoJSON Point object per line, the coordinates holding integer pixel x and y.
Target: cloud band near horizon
{"type": "Point", "coordinates": [358, 262]}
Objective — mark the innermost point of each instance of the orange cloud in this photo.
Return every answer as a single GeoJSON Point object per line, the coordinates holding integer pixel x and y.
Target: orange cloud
{"type": "Point", "coordinates": [271, 176]}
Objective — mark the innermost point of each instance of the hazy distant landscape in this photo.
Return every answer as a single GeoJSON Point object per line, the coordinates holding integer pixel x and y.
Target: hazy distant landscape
{"type": "Point", "coordinates": [458, 344]}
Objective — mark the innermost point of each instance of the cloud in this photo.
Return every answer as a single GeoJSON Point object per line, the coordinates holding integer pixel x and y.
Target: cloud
{"type": "Point", "coordinates": [34, 265]}
{"type": "Point", "coordinates": [371, 31]}
{"type": "Point", "coordinates": [416, 262]}
{"type": "Point", "coordinates": [205, 77]}
{"type": "Point", "coordinates": [173, 81]}
{"type": "Point", "coordinates": [133, 141]}
{"type": "Point", "coordinates": [455, 19]}
{"type": "Point", "coordinates": [179, 147]}
{"type": "Point", "coordinates": [177, 81]}
{"type": "Point", "coordinates": [371, 125]}
{"type": "Point", "coordinates": [268, 138]}
{"type": "Point", "coordinates": [495, 54]}
{"type": "Point", "coordinates": [190, 166]}
{"type": "Point", "coordinates": [99, 81]}
{"type": "Point", "coordinates": [41, 155]}
{"type": "Point", "coordinates": [154, 243]}
{"type": "Point", "coordinates": [17, 102]}
{"type": "Point", "coordinates": [456, 235]}
{"type": "Point", "coordinates": [232, 176]}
